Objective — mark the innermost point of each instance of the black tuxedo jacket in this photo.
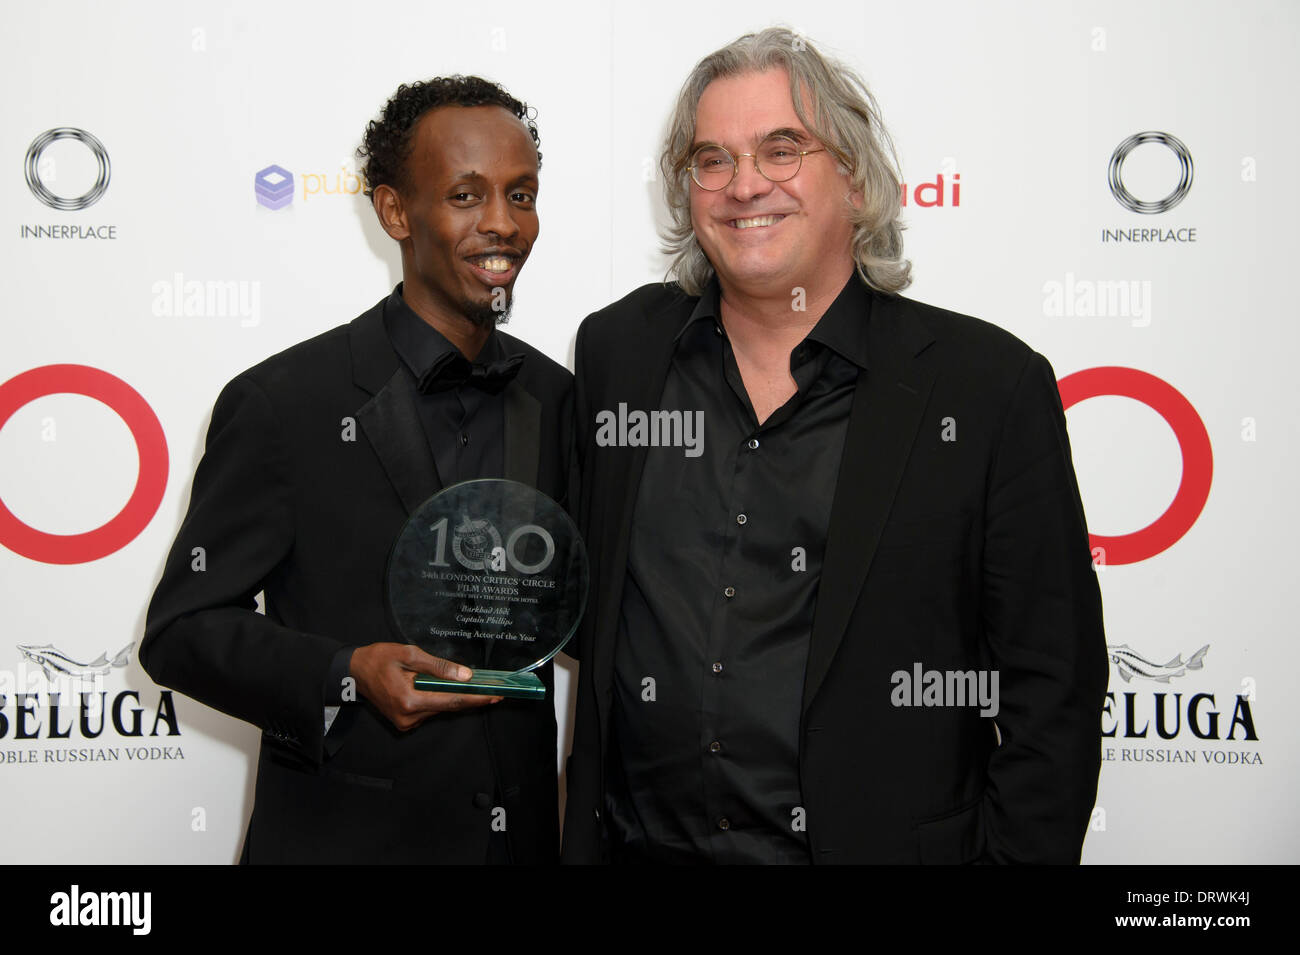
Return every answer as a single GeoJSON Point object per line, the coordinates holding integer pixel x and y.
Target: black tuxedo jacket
{"type": "Point", "coordinates": [962, 554]}
{"type": "Point", "coordinates": [315, 458]}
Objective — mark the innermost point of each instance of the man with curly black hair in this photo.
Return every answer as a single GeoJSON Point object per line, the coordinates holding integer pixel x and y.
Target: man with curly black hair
{"type": "Point", "coordinates": [401, 143]}
{"type": "Point", "coordinates": [315, 460]}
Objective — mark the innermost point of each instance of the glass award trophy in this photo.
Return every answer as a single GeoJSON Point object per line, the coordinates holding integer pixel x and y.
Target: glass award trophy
{"type": "Point", "coordinates": [490, 574]}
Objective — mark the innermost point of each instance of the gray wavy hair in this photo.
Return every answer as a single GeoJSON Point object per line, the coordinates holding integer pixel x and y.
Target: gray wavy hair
{"type": "Point", "coordinates": [845, 119]}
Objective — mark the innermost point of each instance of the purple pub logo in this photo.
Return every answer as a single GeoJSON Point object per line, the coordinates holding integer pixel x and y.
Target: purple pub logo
{"type": "Point", "coordinates": [273, 187]}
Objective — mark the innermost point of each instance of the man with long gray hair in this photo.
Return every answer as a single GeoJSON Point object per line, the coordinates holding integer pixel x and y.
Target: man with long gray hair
{"type": "Point", "coordinates": [855, 619]}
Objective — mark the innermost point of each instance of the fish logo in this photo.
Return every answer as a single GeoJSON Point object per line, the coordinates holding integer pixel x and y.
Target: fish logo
{"type": "Point", "coordinates": [1129, 664]}
{"type": "Point", "coordinates": [53, 660]}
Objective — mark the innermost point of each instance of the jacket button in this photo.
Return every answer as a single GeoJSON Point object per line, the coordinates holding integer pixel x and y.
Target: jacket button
{"type": "Point", "coordinates": [482, 801]}
{"type": "Point", "coordinates": [724, 824]}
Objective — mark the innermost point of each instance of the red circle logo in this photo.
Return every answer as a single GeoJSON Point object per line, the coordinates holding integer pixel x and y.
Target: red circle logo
{"type": "Point", "coordinates": [150, 444]}
{"type": "Point", "coordinates": [1193, 441]}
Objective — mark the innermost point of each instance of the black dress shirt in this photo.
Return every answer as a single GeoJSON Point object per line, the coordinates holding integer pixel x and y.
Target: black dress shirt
{"type": "Point", "coordinates": [466, 426]}
{"type": "Point", "coordinates": [723, 568]}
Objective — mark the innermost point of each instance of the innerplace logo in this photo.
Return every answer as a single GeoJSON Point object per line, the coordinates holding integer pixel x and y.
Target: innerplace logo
{"type": "Point", "coordinates": [43, 192]}
{"type": "Point", "coordinates": [1144, 206]}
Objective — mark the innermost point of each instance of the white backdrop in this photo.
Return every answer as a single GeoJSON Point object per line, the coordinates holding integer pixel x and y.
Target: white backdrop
{"type": "Point", "coordinates": [1021, 102]}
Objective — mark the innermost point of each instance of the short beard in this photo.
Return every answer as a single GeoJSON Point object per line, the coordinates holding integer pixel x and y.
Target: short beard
{"type": "Point", "coordinates": [487, 315]}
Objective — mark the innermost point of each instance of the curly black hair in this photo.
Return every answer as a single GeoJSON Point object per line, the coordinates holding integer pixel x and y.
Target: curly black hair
{"type": "Point", "coordinates": [387, 142]}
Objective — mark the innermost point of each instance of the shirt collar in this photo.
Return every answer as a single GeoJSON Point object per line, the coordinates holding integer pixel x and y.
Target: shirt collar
{"type": "Point", "coordinates": [705, 308]}
{"type": "Point", "coordinates": [417, 343]}
{"type": "Point", "coordinates": [843, 328]}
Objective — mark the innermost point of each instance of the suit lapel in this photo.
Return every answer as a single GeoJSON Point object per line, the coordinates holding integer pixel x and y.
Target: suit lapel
{"type": "Point", "coordinates": [523, 434]}
{"type": "Point", "coordinates": [391, 419]}
{"type": "Point", "coordinates": [642, 391]}
{"type": "Point", "coordinates": [888, 405]}
{"type": "Point", "coordinates": [392, 423]}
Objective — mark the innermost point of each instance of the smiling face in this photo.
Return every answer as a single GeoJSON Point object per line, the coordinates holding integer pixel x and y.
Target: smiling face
{"type": "Point", "coordinates": [765, 238]}
{"type": "Point", "coordinates": [467, 216]}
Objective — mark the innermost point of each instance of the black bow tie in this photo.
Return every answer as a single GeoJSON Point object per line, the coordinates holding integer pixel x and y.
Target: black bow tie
{"type": "Point", "coordinates": [453, 370]}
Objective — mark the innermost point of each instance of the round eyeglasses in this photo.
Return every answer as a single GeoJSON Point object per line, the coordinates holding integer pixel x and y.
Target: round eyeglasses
{"type": "Point", "coordinates": [777, 159]}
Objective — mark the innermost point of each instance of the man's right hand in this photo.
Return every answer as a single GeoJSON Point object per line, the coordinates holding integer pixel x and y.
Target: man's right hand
{"type": "Point", "coordinates": [385, 675]}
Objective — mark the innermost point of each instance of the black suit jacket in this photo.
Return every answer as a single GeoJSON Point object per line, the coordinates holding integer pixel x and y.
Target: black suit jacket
{"type": "Point", "coordinates": [315, 458]}
{"type": "Point", "coordinates": [960, 554]}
